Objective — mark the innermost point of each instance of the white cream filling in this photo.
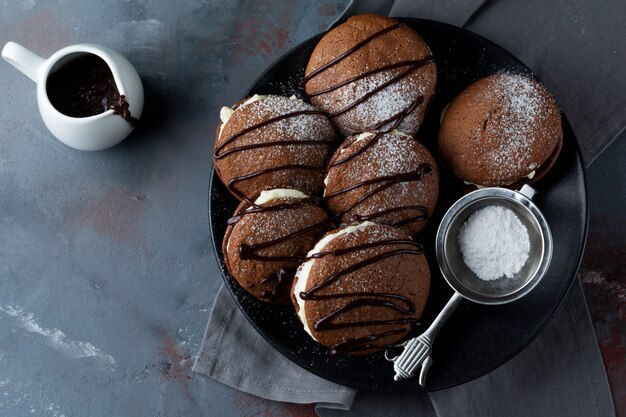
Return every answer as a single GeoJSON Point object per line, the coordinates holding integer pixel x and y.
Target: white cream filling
{"type": "Point", "coordinates": [227, 112]}
{"type": "Point", "coordinates": [399, 133]}
{"type": "Point", "coordinates": [359, 138]}
{"type": "Point", "coordinates": [362, 136]}
{"type": "Point", "coordinates": [302, 275]}
{"type": "Point", "coordinates": [276, 193]}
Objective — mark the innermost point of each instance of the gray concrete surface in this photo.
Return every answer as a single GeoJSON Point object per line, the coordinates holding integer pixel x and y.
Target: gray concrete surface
{"type": "Point", "coordinates": [106, 271]}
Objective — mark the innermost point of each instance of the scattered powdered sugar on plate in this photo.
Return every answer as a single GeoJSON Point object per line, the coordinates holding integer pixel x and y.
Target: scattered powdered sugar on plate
{"type": "Point", "coordinates": [494, 243]}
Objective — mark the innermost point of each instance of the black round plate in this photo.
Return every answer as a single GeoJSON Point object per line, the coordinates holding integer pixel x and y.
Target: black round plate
{"type": "Point", "coordinates": [477, 338]}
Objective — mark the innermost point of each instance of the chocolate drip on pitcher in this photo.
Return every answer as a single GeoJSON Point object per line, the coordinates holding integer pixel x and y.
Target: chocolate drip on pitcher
{"type": "Point", "coordinates": [121, 107]}
{"type": "Point", "coordinates": [393, 301]}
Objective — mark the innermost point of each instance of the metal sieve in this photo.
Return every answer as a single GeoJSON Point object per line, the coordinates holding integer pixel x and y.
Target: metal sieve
{"type": "Point", "coordinates": [502, 290]}
{"type": "Point", "coordinates": [465, 283]}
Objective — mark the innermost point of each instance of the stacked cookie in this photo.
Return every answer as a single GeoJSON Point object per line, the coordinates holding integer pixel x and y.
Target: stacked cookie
{"type": "Point", "coordinates": [325, 225]}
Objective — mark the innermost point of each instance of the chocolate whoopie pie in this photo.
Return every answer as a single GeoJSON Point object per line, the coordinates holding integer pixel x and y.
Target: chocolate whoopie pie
{"type": "Point", "coordinates": [389, 178]}
{"type": "Point", "coordinates": [372, 73]}
{"type": "Point", "coordinates": [362, 288]}
{"type": "Point", "coordinates": [264, 243]}
{"type": "Point", "coordinates": [501, 130]}
{"type": "Point", "coordinates": [272, 142]}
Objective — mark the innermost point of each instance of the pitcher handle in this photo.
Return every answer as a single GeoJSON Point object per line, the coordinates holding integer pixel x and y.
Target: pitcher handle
{"type": "Point", "coordinates": [24, 60]}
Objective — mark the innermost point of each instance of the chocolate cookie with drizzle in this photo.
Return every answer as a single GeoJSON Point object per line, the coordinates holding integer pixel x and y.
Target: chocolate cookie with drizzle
{"type": "Point", "coordinates": [265, 242]}
{"type": "Point", "coordinates": [371, 73]}
{"type": "Point", "coordinates": [268, 142]}
{"type": "Point", "coordinates": [362, 288]}
{"type": "Point", "coordinates": [388, 178]}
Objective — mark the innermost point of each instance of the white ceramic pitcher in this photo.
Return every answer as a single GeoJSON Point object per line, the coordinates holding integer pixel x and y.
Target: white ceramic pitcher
{"type": "Point", "coordinates": [92, 133]}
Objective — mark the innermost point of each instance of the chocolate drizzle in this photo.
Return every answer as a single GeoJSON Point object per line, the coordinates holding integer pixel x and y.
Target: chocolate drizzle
{"type": "Point", "coordinates": [386, 182]}
{"type": "Point", "coordinates": [371, 140]}
{"type": "Point", "coordinates": [394, 122]}
{"type": "Point", "coordinates": [250, 251]}
{"type": "Point", "coordinates": [377, 89]}
{"type": "Point", "coordinates": [220, 151]}
{"type": "Point", "coordinates": [411, 67]}
{"type": "Point", "coordinates": [350, 51]}
{"type": "Point", "coordinates": [282, 276]}
{"type": "Point", "coordinates": [255, 208]}
{"type": "Point", "coordinates": [391, 301]}
{"type": "Point", "coordinates": [362, 343]}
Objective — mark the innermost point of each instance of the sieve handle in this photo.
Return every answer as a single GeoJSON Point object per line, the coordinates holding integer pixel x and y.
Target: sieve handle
{"type": "Point", "coordinates": [443, 316]}
{"type": "Point", "coordinates": [527, 191]}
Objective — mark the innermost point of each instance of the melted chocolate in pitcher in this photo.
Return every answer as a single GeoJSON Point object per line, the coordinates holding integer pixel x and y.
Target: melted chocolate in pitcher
{"type": "Point", "coordinates": [85, 87]}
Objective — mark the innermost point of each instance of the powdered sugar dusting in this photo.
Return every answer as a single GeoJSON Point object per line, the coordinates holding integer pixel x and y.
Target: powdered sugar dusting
{"type": "Point", "coordinates": [518, 123]}
{"type": "Point", "coordinates": [304, 270]}
{"type": "Point", "coordinates": [386, 155]}
{"type": "Point", "coordinates": [390, 275]}
{"type": "Point", "coordinates": [494, 243]}
{"type": "Point", "coordinates": [381, 106]}
{"type": "Point", "coordinates": [257, 228]}
{"type": "Point", "coordinates": [361, 234]}
{"type": "Point", "coordinates": [304, 127]}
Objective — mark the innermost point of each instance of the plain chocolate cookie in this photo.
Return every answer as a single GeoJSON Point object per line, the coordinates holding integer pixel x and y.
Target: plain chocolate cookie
{"type": "Point", "coordinates": [503, 129]}
{"type": "Point", "coordinates": [372, 73]}
{"type": "Point", "coordinates": [389, 178]}
{"type": "Point", "coordinates": [264, 243]}
{"type": "Point", "coordinates": [272, 142]}
{"type": "Point", "coordinates": [362, 288]}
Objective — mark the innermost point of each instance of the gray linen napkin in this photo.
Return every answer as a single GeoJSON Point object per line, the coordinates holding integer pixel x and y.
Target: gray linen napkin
{"type": "Point", "coordinates": [235, 354]}
{"type": "Point", "coordinates": [576, 48]}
